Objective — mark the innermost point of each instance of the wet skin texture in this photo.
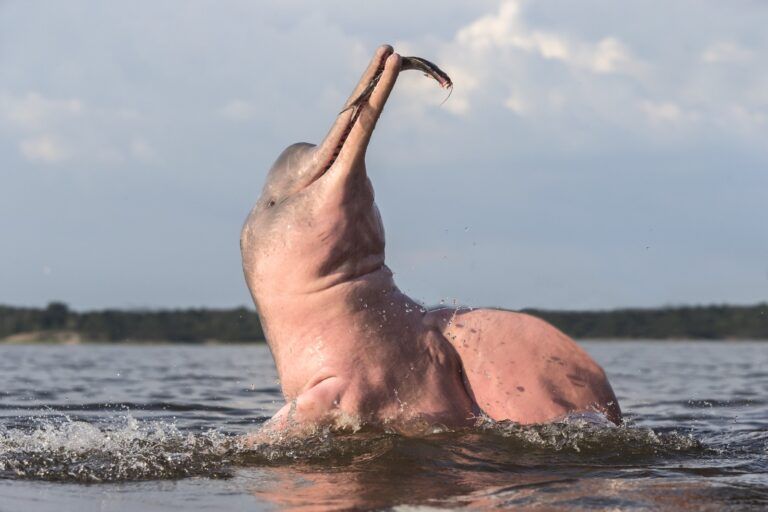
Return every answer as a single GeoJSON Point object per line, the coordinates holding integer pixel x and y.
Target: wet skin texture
{"type": "Point", "coordinates": [349, 346]}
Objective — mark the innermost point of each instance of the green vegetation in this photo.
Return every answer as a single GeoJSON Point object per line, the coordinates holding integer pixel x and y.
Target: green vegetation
{"type": "Point", "coordinates": [184, 325]}
{"type": "Point", "coordinates": [58, 322]}
{"type": "Point", "coordinates": [693, 322]}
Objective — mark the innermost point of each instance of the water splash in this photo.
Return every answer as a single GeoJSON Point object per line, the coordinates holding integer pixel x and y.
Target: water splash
{"type": "Point", "coordinates": [125, 449]}
{"type": "Point", "coordinates": [587, 437]}
{"type": "Point", "coordinates": [122, 449]}
{"type": "Point", "coordinates": [560, 441]}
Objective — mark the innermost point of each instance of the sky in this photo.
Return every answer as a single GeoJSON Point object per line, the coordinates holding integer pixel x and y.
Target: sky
{"type": "Point", "coordinates": [593, 154]}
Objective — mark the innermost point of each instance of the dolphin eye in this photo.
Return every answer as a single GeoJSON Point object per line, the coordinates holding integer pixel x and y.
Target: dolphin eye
{"type": "Point", "coordinates": [270, 203]}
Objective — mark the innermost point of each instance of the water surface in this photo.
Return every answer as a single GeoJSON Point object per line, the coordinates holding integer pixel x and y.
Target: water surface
{"type": "Point", "coordinates": [97, 427]}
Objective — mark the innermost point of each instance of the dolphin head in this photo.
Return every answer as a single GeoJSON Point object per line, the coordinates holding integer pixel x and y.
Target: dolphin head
{"type": "Point", "coordinates": [315, 224]}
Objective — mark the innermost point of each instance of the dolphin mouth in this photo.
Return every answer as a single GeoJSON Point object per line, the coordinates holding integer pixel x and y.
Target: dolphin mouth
{"type": "Point", "coordinates": [333, 143]}
{"type": "Point", "coordinates": [366, 97]}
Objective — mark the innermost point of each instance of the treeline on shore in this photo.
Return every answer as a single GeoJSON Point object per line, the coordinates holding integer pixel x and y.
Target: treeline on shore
{"type": "Point", "coordinates": [691, 322]}
{"type": "Point", "coordinates": [180, 325]}
{"type": "Point", "coordinates": [242, 324]}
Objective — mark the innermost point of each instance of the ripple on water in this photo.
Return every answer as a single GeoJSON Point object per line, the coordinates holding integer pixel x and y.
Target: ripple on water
{"type": "Point", "coordinates": [694, 440]}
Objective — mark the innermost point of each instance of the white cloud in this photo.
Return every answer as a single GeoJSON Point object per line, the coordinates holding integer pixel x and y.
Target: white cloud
{"type": "Point", "coordinates": [45, 149]}
{"type": "Point", "coordinates": [53, 130]}
{"type": "Point", "coordinates": [504, 60]}
{"type": "Point", "coordinates": [142, 150]}
{"type": "Point", "coordinates": [555, 77]}
{"type": "Point", "coordinates": [34, 111]}
{"type": "Point", "coordinates": [556, 103]}
{"type": "Point", "coordinates": [662, 111]}
{"type": "Point", "coordinates": [508, 30]}
{"type": "Point", "coordinates": [515, 104]}
{"type": "Point", "coordinates": [726, 51]}
{"type": "Point", "coordinates": [238, 110]}
{"type": "Point", "coordinates": [747, 120]}
{"type": "Point", "coordinates": [608, 55]}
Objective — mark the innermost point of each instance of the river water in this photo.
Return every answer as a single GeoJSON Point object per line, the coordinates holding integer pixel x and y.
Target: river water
{"type": "Point", "coordinates": [105, 427]}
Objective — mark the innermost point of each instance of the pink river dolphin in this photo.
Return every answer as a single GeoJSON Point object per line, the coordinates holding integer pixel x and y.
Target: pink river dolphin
{"type": "Point", "coordinates": [350, 348]}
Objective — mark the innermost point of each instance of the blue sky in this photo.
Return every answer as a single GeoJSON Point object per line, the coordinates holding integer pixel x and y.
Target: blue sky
{"type": "Point", "coordinates": [593, 154]}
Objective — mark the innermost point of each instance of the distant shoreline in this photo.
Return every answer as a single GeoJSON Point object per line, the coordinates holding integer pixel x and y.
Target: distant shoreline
{"type": "Point", "coordinates": [32, 339]}
{"type": "Point", "coordinates": [57, 323]}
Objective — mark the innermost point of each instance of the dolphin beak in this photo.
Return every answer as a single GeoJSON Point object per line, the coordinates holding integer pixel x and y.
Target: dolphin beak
{"type": "Point", "coordinates": [348, 138]}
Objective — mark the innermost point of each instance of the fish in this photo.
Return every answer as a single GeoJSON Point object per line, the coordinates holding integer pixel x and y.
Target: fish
{"type": "Point", "coordinates": [406, 63]}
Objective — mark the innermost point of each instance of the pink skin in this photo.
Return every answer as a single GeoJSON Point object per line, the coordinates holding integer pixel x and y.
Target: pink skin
{"type": "Point", "coordinates": [348, 343]}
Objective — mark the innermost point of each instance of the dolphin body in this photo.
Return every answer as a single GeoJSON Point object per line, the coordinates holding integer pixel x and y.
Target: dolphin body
{"type": "Point", "coordinates": [350, 348]}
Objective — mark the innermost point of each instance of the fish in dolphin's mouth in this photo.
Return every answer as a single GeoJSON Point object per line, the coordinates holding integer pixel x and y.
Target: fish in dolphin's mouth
{"type": "Point", "coordinates": [355, 107]}
{"type": "Point", "coordinates": [406, 63]}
